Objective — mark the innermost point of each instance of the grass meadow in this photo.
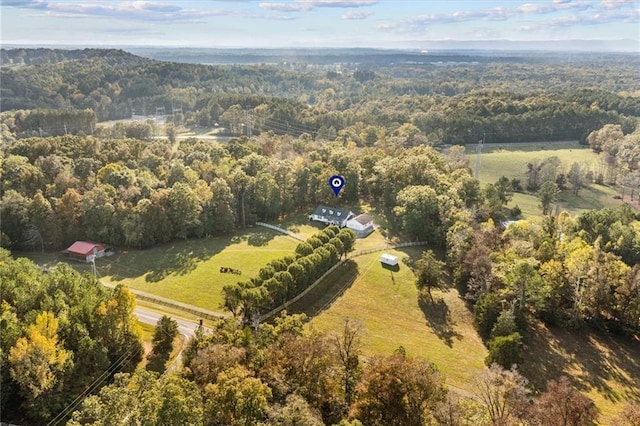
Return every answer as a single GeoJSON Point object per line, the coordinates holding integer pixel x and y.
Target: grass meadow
{"type": "Point", "coordinates": [189, 271]}
{"type": "Point", "coordinates": [511, 161]}
{"type": "Point", "coordinates": [387, 305]}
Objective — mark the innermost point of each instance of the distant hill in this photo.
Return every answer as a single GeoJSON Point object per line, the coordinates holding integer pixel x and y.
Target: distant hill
{"type": "Point", "coordinates": [40, 56]}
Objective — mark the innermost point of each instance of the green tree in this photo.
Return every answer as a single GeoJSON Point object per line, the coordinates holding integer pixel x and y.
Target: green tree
{"type": "Point", "coordinates": [504, 189]}
{"type": "Point", "coordinates": [429, 273]}
{"type": "Point", "coordinates": [418, 209]}
{"type": "Point", "coordinates": [486, 312]}
{"type": "Point", "coordinates": [184, 211]}
{"type": "Point", "coordinates": [163, 337]}
{"type": "Point", "coordinates": [236, 398]}
{"type": "Point", "coordinates": [505, 324]}
{"type": "Point", "coordinates": [267, 196]}
{"type": "Point", "coordinates": [576, 178]}
{"type": "Point", "coordinates": [181, 402]}
{"type": "Point", "coordinates": [548, 194]}
{"type": "Point", "coordinates": [172, 133]}
{"type": "Point", "coordinates": [505, 351]}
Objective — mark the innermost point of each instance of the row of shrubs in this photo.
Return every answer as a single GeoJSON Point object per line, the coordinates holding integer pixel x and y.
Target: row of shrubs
{"type": "Point", "coordinates": [283, 279]}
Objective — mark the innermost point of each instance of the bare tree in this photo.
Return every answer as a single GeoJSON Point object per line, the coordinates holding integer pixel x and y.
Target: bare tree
{"type": "Point", "coordinates": [504, 393]}
{"type": "Point", "coordinates": [349, 347]}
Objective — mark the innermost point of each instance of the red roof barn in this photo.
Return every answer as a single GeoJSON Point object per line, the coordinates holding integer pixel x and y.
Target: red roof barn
{"type": "Point", "coordinates": [83, 250]}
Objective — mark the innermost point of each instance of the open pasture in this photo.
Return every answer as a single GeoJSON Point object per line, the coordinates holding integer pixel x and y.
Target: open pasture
{"type": "Point", "coordinates": [511, 160]}
{"type": "Point", "coordinates": [388, 306]}
{"type": "Point", "coordinates": [189, 271]}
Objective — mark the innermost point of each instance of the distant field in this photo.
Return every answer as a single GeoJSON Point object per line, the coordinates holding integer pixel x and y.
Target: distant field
{"type": "Point", "coordinates": [189, 271]}
{"type": "Point", "coordinates": [511, 161]}
{"type": "Point", "coordinates": [386, 303]}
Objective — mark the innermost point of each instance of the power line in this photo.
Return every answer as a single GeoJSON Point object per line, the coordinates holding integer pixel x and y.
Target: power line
{"type": "Point", "coordinates": [133, 348]}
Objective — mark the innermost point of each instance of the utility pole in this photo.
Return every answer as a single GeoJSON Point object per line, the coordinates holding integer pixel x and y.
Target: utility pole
{"type": "Point", "coordinates": [478, 154]}
{"type": "Point", "coordinates": [247, 119]}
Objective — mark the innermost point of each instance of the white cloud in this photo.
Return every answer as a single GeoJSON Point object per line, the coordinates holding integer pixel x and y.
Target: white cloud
{"type": "Point", "coordinates": [285, 7]}
{"type": "Point", "coordinates": [306, 5]}
{"type": "Point", "coordinates": [616, 4]}
{"type": "Point", "coordinates": [354, 14]}
{"type": "Point", "coordinates": [502, 13]}
{"type": "Point", "coordinates": [136, 10]}
{"type": "Point", "coordinates": [339, 3]}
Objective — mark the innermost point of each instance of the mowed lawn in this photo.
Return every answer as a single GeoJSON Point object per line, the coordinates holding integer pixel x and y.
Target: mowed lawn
{"type": "Point", "coordinates": [512, 163]}
{"type": "Point", "coordinates": [189, 271]}
{"type": "Point", "coordinates": [386, 304]}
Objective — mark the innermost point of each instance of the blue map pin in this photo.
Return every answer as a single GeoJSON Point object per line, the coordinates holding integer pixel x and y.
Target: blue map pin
{"type": "Point", "coordinates": [336, 182]}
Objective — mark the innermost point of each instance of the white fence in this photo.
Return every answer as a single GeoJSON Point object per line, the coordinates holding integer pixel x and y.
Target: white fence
{"type": "Point", "coordinates": [282, 230]}
{"type": "Point", "coordinates": [193, 310]}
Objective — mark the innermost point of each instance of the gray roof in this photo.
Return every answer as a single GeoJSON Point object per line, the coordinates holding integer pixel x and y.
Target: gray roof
{"type": "Point", "coordinates": [332, 213]}
{"type": "Point", "coordinates": [363, 219]}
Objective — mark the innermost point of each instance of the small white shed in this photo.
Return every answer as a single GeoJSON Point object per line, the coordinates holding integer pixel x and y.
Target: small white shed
{"type": "Point", "coordinates": [389, 259]}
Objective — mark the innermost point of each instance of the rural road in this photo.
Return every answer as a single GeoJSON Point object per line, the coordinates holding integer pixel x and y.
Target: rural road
{"type": "Point", "coordinates": [185, 327]}
{"type": "Point", "coordinates": [147, 316]}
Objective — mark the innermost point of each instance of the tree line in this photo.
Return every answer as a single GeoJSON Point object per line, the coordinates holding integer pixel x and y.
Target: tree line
{"type": "Point", "coordinates": [282, 374]}
{"type": "Point", "coordinates": [283, 279]}
{"type": "Point", "coordinates": [127, 192]}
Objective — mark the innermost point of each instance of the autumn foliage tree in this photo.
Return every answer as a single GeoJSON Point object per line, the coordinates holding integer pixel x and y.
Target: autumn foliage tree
{"type": "Point", "coordinates": [563, 405]}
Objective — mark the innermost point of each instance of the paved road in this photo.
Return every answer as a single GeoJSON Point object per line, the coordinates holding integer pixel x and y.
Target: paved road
{"type": "Point", "coordinates": [185, 327]}
{"type": "Point", "coordinates": [147, 316]}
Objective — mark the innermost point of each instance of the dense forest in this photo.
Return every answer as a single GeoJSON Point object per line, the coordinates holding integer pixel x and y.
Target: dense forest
{"type": "Point", "coordinates": [66, 177]}
{"type": "Point", "coordinates": [525, 99]}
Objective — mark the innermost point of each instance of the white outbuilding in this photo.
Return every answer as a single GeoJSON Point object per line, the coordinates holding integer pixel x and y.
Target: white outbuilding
{"type": "Point", "coordinates": [389, 259]}
{"type": "Point", "coordinates": [362, 225]}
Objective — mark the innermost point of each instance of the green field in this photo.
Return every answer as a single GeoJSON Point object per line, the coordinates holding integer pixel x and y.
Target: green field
{"type": "Point", "coordinates": [189, 271]}
{"type": "Point", "coordinates": [512, 163]}
{"type": "Point", "coordinates": [386, 304]}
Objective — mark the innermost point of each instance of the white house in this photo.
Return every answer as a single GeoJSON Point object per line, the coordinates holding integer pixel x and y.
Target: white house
{"type": "Point", "coordinates": [362, 225]}
{"type": "Point", "coordinates": [389, 259]}
{"type": "Point", "coordinates": [331, 216]}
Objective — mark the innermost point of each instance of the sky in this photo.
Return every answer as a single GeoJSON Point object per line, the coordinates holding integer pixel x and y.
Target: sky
{"type": "Point", "coordinates": [311, 23]}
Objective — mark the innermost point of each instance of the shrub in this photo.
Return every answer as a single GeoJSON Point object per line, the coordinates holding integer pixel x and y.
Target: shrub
{"type": "Point", "coordinates": [505, 350]}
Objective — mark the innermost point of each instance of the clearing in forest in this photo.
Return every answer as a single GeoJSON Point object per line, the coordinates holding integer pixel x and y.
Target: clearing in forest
{"type": "Point", "coordinates": [511, 161]}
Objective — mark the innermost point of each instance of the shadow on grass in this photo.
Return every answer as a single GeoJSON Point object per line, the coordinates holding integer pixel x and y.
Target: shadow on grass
{"type": "Point", "coordinates": [327, 291]}
{"type": "Point", "coordinates": [394, 268]}
{"type": "Point", "coordinates": [179, 258]}
{"type": "Point", "coordinates": [599, 358]}
{"type": "Point", "coordinates": [438, 317]}
{"type": "Point", "coordinates": [256, 237]}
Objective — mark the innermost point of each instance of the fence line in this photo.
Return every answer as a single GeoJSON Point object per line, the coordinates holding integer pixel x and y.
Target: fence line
{"type": "Point", "coordinates": [333, 268]}
{"type": "Point", "coordinates": [158, 300]}
{"type": "Point", "coordinates": [282, 230]}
